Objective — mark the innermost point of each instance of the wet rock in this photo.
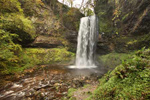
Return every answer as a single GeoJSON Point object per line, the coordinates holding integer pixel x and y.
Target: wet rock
{"type": "Point", "coordinates": [28, 94]}
{"type": "Point", "coordinates": [29, 98]}
{"type": "Point", "coordinates": [9, 85]}
{"type": "Point", "coordinates": [53, 81]}
{"type": "Point", "coordinates": [64, 93]}
{"type": "Point", "coordinates": [53, 87]}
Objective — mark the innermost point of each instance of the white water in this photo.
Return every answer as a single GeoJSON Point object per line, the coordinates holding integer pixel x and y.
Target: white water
{"type": "Point", "coordinates": [87, 41]}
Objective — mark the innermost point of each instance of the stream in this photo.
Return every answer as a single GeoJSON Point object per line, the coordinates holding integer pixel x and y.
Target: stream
{"type": "Point", "coordinates": [49, 83]}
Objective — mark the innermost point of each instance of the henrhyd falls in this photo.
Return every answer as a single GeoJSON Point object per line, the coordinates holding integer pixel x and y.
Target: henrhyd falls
{"type": "Point", "coordinates": [87, 42]}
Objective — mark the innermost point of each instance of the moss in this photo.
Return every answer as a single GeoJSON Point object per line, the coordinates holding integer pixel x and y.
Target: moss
{"type": "Point", "coordinates": [113, 59]}
{"type": "Point", "coordinates": [128, 81]}
{"type": "Point", "coordinates": [73, 15]}
{"type": "Point", "coordinates": [71, 91]}
{"type": "Point", "coordinates": [72, 98]}
{"type": "Point", "coordinates": [48, 56]}
{"type": "Point", "coordinates": [131, 43]}
{"type": "Point", "coordinates": [29, 57]}
{"type": "Point", "coordinates": [87, 85]}
{"type": "Point", "coordinates": [125, 16]}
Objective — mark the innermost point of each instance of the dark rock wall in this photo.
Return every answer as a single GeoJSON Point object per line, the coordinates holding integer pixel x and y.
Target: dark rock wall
{"type": "Point", "coordinates": [125, 24]}
{"type": "Point", "coordinates": [55, 23]}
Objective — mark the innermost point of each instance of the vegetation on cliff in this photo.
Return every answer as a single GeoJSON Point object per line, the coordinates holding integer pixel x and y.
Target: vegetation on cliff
{"type": "Point", "coordinates": [15, 30]}
{"type": "Point", "coordinates": [124, 23]}
{"type": "Point", "coordinates": [27, 23]}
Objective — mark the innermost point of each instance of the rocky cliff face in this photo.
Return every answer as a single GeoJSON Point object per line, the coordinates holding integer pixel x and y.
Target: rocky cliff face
{"type": "Point", "coordinates": [55, 23]}
{"type": "Point", "coordinates": [125, 24]}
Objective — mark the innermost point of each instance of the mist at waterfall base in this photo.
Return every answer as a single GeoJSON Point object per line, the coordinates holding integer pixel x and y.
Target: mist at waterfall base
{"type": "Point", "coordinates": [87, 43]}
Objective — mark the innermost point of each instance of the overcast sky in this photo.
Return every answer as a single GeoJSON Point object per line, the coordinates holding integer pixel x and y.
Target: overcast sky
{"type": "Point", "coordinates": [76, 3]}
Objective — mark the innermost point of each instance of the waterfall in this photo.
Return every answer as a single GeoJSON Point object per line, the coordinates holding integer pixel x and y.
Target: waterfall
{"type": "Point", "coordinates": [87, 42]}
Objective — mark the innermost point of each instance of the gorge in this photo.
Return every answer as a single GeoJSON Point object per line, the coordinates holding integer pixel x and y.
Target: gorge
{"type": "Point", "coordinates": [108, 53]}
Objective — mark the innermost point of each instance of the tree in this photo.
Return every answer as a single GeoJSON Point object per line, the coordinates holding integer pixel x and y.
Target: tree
{"type": "Point", "coordinates": [81, 4]}
{"type": "Point", "coordinates": [69, 2]}
{"type": "Point", "coordinates": [87, 7]}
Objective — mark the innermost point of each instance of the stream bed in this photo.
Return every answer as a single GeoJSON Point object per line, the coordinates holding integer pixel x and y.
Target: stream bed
{"type": "Point", "coordinates": [49, 83]}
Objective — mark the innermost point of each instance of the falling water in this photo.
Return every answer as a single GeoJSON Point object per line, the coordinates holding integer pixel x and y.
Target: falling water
{"type": "Point", "coordinates": [87, 40]}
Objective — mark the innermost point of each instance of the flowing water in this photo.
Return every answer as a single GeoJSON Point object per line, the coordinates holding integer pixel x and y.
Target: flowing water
{"type": "Point", "coordinates": [87, 41]}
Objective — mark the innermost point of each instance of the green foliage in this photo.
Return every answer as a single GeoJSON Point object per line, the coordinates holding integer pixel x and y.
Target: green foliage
{"type": "Point", "coordinates": [15, 23]}
{"type": "Point", "coordinates": [122, 16]}
{"type": "Point", "coordinates": [87, 11]}
{"type": "Point", "coordinates": [73, 19]}
{"type": "Point", "coordinates": [30, 57]}
{"type": "Point", "coordinates": [104, 10]}
{"type": "Point", "coordinates": [126, 43]}
{"type": "Point", "coordinates": [45, 56]}
{"type": "Point", "coordinates": [70, 94]}
{"type": "Point", "coordinates": [113, 59]}
{"type": "Point", "coordinates": [8, 51]}
{"type": "Point", "coordinates": [15, 29]}
{"type": "Point", "coordinates": [29, 7]}
{"type": "Point", "coordinates": [125, 16]}
{"type": "Point", "coordinates": [128, 81]}
{"type": "Point", "coordinates": [71, 91]}
{"type": "Point", "coordinates": [10, 6]}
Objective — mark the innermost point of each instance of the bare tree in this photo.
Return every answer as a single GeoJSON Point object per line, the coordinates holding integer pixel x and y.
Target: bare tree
{"type": "Point", "coordinates": [81, 4]}
{"type": "Point", "coordinates": [88, 7]}
{"type": "Point", "coordinates": [70, 2]}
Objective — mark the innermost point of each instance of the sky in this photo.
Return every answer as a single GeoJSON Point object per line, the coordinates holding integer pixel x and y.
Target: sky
{"type": "Point", "coordinates": [77, 3]}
